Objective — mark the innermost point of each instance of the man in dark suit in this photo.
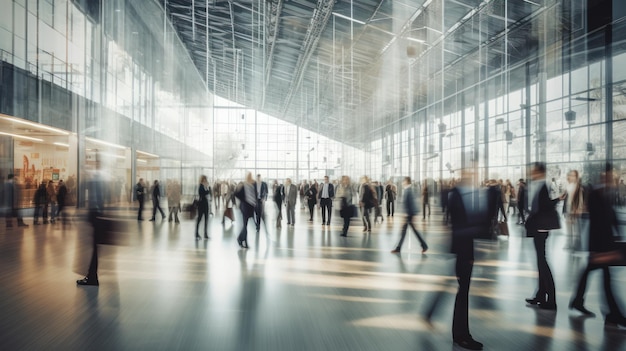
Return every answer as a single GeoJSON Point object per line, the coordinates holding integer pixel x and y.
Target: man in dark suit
{"type": "Point", "coordinates": [543, 217]}
{"type": "Point", "coordinates": [521, 202]}
{"type": "Point", "coordinates": [602, 223]}
{"type": "Point", "coordinates": [326, 193]}
{"type": "Point", "coordinates": [410, 208]}
{"type": "Point", "coordinates": [390, 193]}
{"type": "Point", "coordinates": [261, 195]}
{"type": "Point", "coordinates": [470, 217]}
{"type": "Point", "coordinates": [140, 192]}
{"type": "Point", "coordinates": [95, 186]}
{"type": "Point", "coordinates": [290, 192]}
{"type": "Point", "coordinates": [246, 194]}
{"type": "Point", "coordinates": [304, 187]}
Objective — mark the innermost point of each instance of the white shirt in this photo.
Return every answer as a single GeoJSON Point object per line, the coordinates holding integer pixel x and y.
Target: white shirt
{"type": "Point", "coordinates": [325, 191]}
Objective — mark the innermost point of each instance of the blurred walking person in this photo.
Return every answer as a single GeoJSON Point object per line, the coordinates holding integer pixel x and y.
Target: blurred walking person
{"type": "Point", "coordinates": [470, 218]}
{"type": "Point", "coordinates": [95, 187]}
{"type": "Point", "coordinates": [51, 198]}
{"type": "Point", "coordinates": [11, 200]}
{"type": "Point", "coordinates": [261, 196]}
{"type": "Point", "coordinates": [156, 201]}
{"type": "Point", "coordinates": [204, 192]}
{"type": "Point", "coordinates": [425, 200]}
{"type": "Point", "coordinates": [603, 224]}
{"type": "Point", "coordinates": [277, 196]}
{"type": "Point", "coordinates": [246, 193]}
{"type": "Point", "coordinates": [411, 210]}
{"type": "Point", "coordinates": [41, 202]}
{"type": "Point", "coordinates": [390, 195]}
{"type": "Point", "coordinates": [140, 195]}
{"type": "Point", "coordinates": [326, 195]}
{"type": "Point", "coordinates": [573, 209]}
{"type": "Point", "coordinates": [61, 195]}
{"type": "Point", "coordinates": [173, 200]}
{"type": "Point", "coordinates": [367, 201]}
{"type": "Point", "coordinates": [543, 217]}
{"type": "Point", "coordinates": [521, 202]}
{"type": "Point", "coordinates": [347, 209]}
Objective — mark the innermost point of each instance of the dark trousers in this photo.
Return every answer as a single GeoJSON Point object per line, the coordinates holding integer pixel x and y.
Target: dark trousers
{"type": "Point", "coordinates": [366, 218]}
{"type": "Point", "coordinates": [608, 290]}
{"type": "Point", "coordinates": [258, 212]}
{"type": "Point", "coordinates": [243, 234]}
{"type": "Point", "coordinates": [140, 212]}
{"type": "Point", "coordinates": [327, 205]}
{"type": "Point", "coordinates": [460, 319]}
{"type": "Point", "coordinates": [156, 205]}
{"type": "Point", "coordinates": [390, 208]}
{"type": "Point", "coordinates": [38, 209]}
{"type": "Point", "coordinates": [13, 212]}
{"type": "Point", "coordinates": [346, 223]}
{"type": "Point", "coordinates": [60, 206]}
{"type": "Point", "coordinates": [203, 211]}
{"type": "Point", "coordinates": [311, 208]}
{"type": "Point", "coordinates": [521, 214]}
{"type": "Point", "coordinates": [279, 205]}
{"type": "Point", "coordinates": [546, 291]}
{"type": "Point", "coordinates": [405, 226]}
{"type": "Point", "coordinates": [424, 205]}
{"type": "Point", "coordinates": [92, 274]}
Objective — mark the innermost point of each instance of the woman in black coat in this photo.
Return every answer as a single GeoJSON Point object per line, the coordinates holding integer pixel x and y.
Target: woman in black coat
{"type": "Point", "coordinates": [204, 192]}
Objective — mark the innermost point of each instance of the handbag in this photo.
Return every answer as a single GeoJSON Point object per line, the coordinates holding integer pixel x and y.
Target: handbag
{"type": "Point", "coordinates": [504, 228]}
{"type": "Point", "coordinates": [615, 257]}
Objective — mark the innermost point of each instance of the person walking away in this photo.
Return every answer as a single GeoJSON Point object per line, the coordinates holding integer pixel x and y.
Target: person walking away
{"type": "Point", "coordinates": [204, 191]}
{"type": "Point", "coordinates": [543, 217]}
{"type": "Point", "coordinates": [156, 201]}
{"type": "Point", "coordinates": [411, 210]}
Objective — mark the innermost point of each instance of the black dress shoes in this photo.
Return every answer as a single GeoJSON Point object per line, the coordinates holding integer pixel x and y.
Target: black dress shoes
{"type": "Point", "coordinates": [469, 344]}
{"type": "Point", "coordinates": [533, 301]}
{"type": "Point", "coordinates": [547, 306]}
{"type": "Point", "coordinates": [87, 281]}
{"type": "Point", "coordinates": [612, 321]}
{"type": "Point", "coordinates": [579, 306]}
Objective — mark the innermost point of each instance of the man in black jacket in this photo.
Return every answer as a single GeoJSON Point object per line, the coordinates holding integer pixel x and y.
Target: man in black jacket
{"type": "Point", "coordinates": [543, 217]}
{"type": "Point", "coordinates": [326, 195]}
{"type": "Point", "coordinates": [470, 217]}
{"type": "Point", "coordinates": [140, 192]}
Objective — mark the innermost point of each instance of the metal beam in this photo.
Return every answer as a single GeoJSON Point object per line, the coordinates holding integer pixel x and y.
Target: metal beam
{"type": "Point", "coordinates": [321, 15]}
{"type": "Point", "coordinates": [275, 10]}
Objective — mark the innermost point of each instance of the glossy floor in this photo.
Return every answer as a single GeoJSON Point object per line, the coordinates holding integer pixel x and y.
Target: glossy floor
{"type": "Point", "coordinates": [296, 288]}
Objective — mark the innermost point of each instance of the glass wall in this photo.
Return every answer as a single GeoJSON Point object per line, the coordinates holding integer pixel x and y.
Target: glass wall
{"type": "Point", "coordinates": [104, 73]}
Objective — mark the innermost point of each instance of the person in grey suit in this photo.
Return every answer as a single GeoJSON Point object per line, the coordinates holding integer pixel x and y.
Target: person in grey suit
{"type": "Point", "coordinates": [290, 192]}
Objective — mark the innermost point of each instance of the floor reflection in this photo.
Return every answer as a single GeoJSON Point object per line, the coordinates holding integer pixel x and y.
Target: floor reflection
{"type": "Point", "coordinates": [296, 288]}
